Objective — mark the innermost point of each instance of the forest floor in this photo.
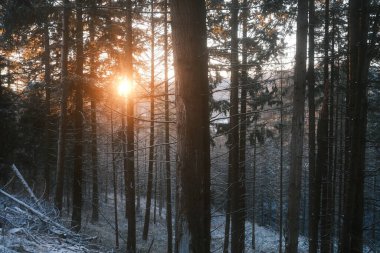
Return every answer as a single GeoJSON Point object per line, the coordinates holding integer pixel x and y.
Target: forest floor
{"type": "Point", "coordinates": [266, 238]}
{"type": "Point", "coordinates": [22, 231]}
{"type": "Point", "coordinates": [37, 228]}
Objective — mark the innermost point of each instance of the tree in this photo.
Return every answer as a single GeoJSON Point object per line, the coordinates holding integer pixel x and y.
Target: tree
{"type": "Point", "coordinates": [297, 132]}
{"type": "Point", "coordinates": [243, 117]}
{"type": "Point", "coordinates": [323, 165]}
{"type": "Point", "coordinates": [192, 96]}
{"type": "Point", "coordinates": [237, 187]}
{"type": "Point", "coordinates": [76, 217]}
{"type": "Point", "coordinates": [151, 135]}
{"type": "Point", "coordinates": [114, 177]}
{"type": "Point", "coordinates": [47, 79]}
{"type": "Point", "coordinates": [63, 108]}
{"type": "Point", "coordinates": [167, 146]}
{"type": "Point", "coordinates": [356, 123]}
{"type": "Point", "coordinates": [130, 171]}
{"type": "Point", "coordinates": [94, 142]}
{"type": "Point", "coordinates": [313, 200]}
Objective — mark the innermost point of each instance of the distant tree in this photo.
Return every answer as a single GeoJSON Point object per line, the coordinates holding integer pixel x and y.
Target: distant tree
{"type": "Point", "coordinates": [151, 134]}
{"type": "Point", "coordinates": [48, 120]}
{"type": "Point", "coordinates": [296, 144]}
{"type": "Point", "coordinates": [94, 143]}
{"type": "Point", "coordinates": [323, 165]}
{"type": "Point", "coordinates": [243, 109]}
{"type": "Point", "coordinates": [237, 187]}
{"type": "Point", "coordinates": [130, 171]}
{"type": "Point", "coordinates": [313, 200]}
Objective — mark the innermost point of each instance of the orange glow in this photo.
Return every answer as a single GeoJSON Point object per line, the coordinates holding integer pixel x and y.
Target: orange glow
{"type": "Point", "coordinates": [124, 87]}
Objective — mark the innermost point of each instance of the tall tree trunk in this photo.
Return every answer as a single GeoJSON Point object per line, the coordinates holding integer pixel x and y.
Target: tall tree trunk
{"type": "Point", "coordinates": [124, 151]}
{"type": "Point", "coordinates": [151, 136]}
{"type": "Point", "coordinates": [374, 208]}
{"type": "Point", "coordinates": [192, 97]}
{"type": "Point", "coordinates": [63, 109]}
{"type": "Point", "coordinates": [94, 142]}
{"type": "Point", "coordinates": [243, 118]}
{"type": "Point", "coordinates": [323, 161]}
{"type": "Point", "coordinates": [296, 143]}
{"type": "Point", "coordinates": [340, 163]}
{"type": "Point", "coordinates": [114, 185]}
{"type": "Point", "coordinates": [332, 134]}
{"type": "Point", "coordinates": [281, 162]}
{"type": "Point", "coordinates": [313, 200]}
{"type": "Point", "coordinates": [130, 177]}
{"type": "Point", "coordinates": [227, 226]}
{"type": "Point", "coordinates": [237, 196]}
{"type": "Point", "coordinates": [352, 231]}
{"type": "Point", "coordinates": [321, 169]}
{"type": "Point", "coordinates": [155, 192]}
{"type": "Point", "coordinates": [76, 218]}
{"type": "Point", "coordinates": [334, 84]}
{"type": "Point", "coordinates": [47, 132]}
{"type": "Point", "coordinates": [138, 194]}
{"type": "Point", "coordinates": [167, 139]}
{"type": "Point", "coordinates": [253, 243]}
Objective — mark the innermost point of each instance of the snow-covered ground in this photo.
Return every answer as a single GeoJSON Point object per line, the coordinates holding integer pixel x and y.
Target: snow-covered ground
{"type": "Point", "coordinates": [27, 233]}
{"type": "Point", "coordinates": [266, 238]}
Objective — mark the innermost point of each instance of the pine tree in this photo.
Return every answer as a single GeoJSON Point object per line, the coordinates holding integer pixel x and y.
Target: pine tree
{"type": "Point", "coordinates": [296, 144]}
{"type": "Point", "coordinates": [77, 197]}
{"type": "Point", "coordinates": [193, 136]}
{"type": "Point", "coordinates": [63, 108]}
{"type": "Point", "coordinates": [356, 122]}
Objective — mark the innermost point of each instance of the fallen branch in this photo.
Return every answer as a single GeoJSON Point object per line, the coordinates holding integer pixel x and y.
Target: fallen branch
{"type": "Point", "coordinates": [43, 217]}
{"type": "Point", "coordinates": [18, 174]}
{"type": "Point", "coordinates": [151, 244]}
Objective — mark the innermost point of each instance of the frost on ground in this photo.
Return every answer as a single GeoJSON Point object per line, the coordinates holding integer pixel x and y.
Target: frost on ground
{"type": "Point", "coordinates": [24, 231]}
{"type": "Point", "coordinates": [28, 227]}
{"type": "Point", "coordinates": [267, 240]}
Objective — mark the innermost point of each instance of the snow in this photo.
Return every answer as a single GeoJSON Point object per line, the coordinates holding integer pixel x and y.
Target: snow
{"type": "Point", "coordinates": [23, 229]}
{"type": "Point", "coordinates": [27, 233]}
{"type": "Point", "coordinates": [267, 240]}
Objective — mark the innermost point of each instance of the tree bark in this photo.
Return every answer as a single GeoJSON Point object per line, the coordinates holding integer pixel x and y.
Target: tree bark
{"type": "Point", "coordinates": [296, 143]}
{"type": "Point", "coordinates": [237, 195]}
{"type": "Point", "coordinates": [253, 243]}
{"type": "Point", "coordinates": [227, 226]}
{"type": "Point", "coordinates": [356, 120]}
{"type": "Point", "coordinates": [324, 142]}
{"type": "Point", "coordinates": [114, 186]}
{"type": "Point", "coordinates": [167, 139]}
{"type": "Point", "coordinates": [76, 217]}
{"type": "Point", "coordinates": [130, 176]}
{"type": "Point", "coordinates": [94, 142]}
{"type": "Point", "coordinates": [47, 132]}
{"type": "Point", "coordinates": [313, 200]}
{"type": "Point", "coordinates": [243, 117]}
{"type": "Point", "coordinates": [281, 162]}
{"type": "Point", "coordinates": [151, 135]}
{"type": "Point", "coordinates": [63, 109]}
{"type": "Point", "coordinates": [193, 145]}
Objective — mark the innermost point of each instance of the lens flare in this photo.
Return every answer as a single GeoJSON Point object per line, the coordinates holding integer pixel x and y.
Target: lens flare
{"type": "Point", "coordinates": [124, 87]}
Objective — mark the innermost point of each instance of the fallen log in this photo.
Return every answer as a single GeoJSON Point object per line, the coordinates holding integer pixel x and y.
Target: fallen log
{"type": "Point", "coordinates": [18, 174]}
{"type": "Point", "coordinates": [43, 217]}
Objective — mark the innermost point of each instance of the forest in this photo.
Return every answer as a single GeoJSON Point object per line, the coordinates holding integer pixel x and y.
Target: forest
{"type": "Point", "coordinates": [190, 126]}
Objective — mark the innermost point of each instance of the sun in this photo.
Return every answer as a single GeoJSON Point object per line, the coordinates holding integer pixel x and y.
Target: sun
{"type": "Point", "coordinates": [124, 87]}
